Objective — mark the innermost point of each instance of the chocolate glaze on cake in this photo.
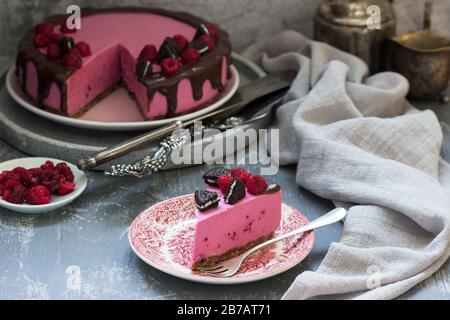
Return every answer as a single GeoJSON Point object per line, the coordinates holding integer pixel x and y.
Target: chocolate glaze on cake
{"type": "Point", "coordinates": [208, 68]}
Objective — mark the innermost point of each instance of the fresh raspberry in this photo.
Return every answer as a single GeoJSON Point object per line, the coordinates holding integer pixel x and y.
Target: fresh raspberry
{"type": "Point", "coordinates": [40, 40]}
{"type": "Point", "coordinates": [46, 174]}
{"type": "Point", "coordinates": [169, 66]}
{"type": "Point", "coordinates": [240, 173]}
{"type": "Point", "coordinates": [56, 38]}
{"type": "Point", "coordinates": [224, 182]}
{"type": "Point", "coordinates": [256, 184]}
{"type": "Point", "coordinates": [237, 172]}
{"type": "Point", "coordinates": [18, 195]}
{"type": "Point", "coordinates": [18, 173]}
{"type": "Point", "coordinates": [181, 41]}
{"type": "Point", "coordinates": [28, 180]}
{"type": "Point", "coordinates": [65, 188]}
{"type": "Point", "coordinates": [246, 177]}
{"type": "Point", "coordinates": [83, 48]}
{"type": "Point", "coordinates": [72, 59]}
{"type": "Point", "coordinates": [38, 195]}
{"type": "Point", "coordinates": [190, 55]}
{"type": "Point", "coordinates": [208, 40]}
{"type": "Point", "coordinates": [64, 170]}
{"type": "Point", "coordinates": [35, 171]}
{"type": "Point", "coordinates": [4, 176]}
{"type": "Point", "coordinates": [52, 184]}
{"type": "Point", "coordinates": [65, 29]}
{"type": "Point", "coordinates": [44, 28]}
{"type": "Point", "coordinates": [19, 170]}
{"type": "Point", "coordinates": [149, 53]}
{"type": "Point", "coordinates": [53, 51]}
{"type": "Point", "coordinates": [6, 194]}
{"type": "Point", "coordinates": [212, 29]}
{"type": "Point", "coordinates": [61, 178]}
{"type": "Point", "coordinates": [47, 165]}
{"type": "Point", "coordinates": [11, 184]}
{"type": "Point", "coordinates": [48, 177]}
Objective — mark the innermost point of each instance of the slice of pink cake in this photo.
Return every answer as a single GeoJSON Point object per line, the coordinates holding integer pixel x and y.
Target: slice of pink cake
{"type": "Point", "coordinates": [189, 69]}
{"type": "Point", "coordinates": [230, 219]}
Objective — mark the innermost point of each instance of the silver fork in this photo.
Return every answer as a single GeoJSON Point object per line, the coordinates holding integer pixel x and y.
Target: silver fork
{"type": "Point", "coordinates": [230, 267]}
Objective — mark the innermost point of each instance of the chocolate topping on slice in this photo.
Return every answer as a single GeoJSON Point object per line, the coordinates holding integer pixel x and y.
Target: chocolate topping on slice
{"type": "Point", "coordinates": [212, 175]}
{"type": "Point", "coordinates": [205, 199]}
{"type": "Point", "coordinates": [169, 49]}
{"type": "Point", "coordinates": [143, 69]}
{"type": "Point", "coordinates": [235, 192]}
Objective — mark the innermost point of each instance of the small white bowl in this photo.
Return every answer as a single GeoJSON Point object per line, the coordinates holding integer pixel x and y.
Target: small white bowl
{"type": "Point", "coordinates": [80, 181]}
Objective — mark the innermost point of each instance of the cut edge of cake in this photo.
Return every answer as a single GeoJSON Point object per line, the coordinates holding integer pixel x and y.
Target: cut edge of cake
{"type": "Point", "coordinates": [225, 213]}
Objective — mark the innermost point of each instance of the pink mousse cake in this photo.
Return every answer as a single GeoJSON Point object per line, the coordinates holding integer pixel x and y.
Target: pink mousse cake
{"type": "Point", "coordinates": [236, 212]}
{"type": "Point", "coordinates": [171, 63]}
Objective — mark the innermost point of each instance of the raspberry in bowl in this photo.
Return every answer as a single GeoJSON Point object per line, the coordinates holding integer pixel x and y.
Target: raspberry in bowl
{"type": "Point", "coordinates": [37, 185]}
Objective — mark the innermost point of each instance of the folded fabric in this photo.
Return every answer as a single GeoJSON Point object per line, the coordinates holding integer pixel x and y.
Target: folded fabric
{"type": "Point", "coordinates": [359, 143]}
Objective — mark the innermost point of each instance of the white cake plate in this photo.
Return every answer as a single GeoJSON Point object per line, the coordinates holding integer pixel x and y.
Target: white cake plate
{"type": "Point", "coordinates": [80, 181]}
{"type": "Point", "coordinates": [108, 113]}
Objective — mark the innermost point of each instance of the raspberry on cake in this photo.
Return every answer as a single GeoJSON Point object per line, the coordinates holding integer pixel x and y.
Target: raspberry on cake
{"type": "Point", "coordinates": [224, 182]}
{"type": "Point", "coordinates": [181, 40]}
{"type": "Point", "coordinates": [150, 52]}
{"type": "Point", "coordinates": [231, 219]}
{"type": "Point", "coordinates": [84, 49]}
{"type": "Point", "coordinates": [190, 55]}
{"type": "Point", "coordinates": [170, 66]}
{"type": "Point", "coordinates": [44, 28]}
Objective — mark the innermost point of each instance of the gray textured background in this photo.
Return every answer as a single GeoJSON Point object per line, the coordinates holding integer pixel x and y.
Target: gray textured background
{"type": "Point", "coordinates": [94, 227]}
{"type": "Point", "coordinates": [245, 20]}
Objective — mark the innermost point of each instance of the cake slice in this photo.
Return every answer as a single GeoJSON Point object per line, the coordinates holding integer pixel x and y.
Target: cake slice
{"type": "Point", "coordinates": [236, 212]}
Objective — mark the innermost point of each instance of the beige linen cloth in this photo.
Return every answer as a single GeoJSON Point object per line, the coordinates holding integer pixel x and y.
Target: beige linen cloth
{"type": "Point", "coordinates": [359, 143]}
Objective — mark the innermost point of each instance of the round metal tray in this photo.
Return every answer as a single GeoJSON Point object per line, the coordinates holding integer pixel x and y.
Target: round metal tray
{"type": "Point", "coordinates": [37, 136]}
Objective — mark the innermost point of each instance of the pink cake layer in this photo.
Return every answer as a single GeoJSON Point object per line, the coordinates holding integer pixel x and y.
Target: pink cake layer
{"type": "Point", "coordinates": [116, 40]}
{"type": "Point", "coordinates": [232, 226]}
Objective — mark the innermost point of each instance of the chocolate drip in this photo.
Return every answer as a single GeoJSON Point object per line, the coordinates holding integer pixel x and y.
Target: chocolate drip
{"type": "Point", "coordinates": [211, 72]}
{"type": "Point", "coordinates": [48, 72]}
{"type": "Point", "coordinates": [208, 68]}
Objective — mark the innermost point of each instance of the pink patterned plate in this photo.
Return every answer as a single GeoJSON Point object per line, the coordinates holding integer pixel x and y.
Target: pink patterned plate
{"type": "Point", "coordinates": [163, 235]}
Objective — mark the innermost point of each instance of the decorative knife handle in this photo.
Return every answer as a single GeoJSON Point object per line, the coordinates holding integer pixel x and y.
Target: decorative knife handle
{"type": "Point", "coordinates": [126, 146]}
{"type": "Point", "coordinates": [150, 164]}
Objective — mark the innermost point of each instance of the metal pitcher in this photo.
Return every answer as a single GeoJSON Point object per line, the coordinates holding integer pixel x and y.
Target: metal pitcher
{"type": "Point", "coordinates": [344, 24]}
{"type": "Point", "coordinates": [423, 57]}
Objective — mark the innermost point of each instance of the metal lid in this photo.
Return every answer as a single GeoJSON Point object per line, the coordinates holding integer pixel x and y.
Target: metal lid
{"type": "Point", "coordinates": [353, 12]}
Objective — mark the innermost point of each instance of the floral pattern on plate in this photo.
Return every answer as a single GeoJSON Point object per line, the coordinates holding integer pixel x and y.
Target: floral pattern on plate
{"type": "Point", "coordinates": [163, 236]}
